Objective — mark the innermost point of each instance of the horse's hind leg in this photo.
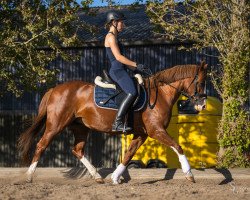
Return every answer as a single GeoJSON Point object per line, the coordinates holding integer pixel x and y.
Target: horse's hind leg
{"type": "Point", "coordinates": [53, 127]}
{"type": "Point", "coordinates": [40, 148]}
{"type": "Point", "coordinates": [136, 142]}
{"type": "Point", "coordinates": [81, 134]}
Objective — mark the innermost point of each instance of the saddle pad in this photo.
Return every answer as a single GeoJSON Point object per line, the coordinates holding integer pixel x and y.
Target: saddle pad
{"type": "Point", "coordinates": [102, 94]}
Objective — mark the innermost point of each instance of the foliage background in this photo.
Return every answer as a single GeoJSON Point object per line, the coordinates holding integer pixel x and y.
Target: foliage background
{"type": "Point", "coordinates": [29, 26]}
{"type": "Point", "coordinates": [224, 25]}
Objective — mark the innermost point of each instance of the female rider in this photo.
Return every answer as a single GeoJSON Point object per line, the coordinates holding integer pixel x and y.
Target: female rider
{"type": "Point", "coordinates": [117, 70]}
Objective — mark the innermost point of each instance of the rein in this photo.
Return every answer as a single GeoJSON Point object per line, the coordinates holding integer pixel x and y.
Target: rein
{"type": "Point", "coordinates": [151, 106]}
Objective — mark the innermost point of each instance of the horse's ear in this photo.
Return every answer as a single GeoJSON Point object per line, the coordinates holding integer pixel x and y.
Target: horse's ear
{"type": "Point", "coordinates": [203, 65]}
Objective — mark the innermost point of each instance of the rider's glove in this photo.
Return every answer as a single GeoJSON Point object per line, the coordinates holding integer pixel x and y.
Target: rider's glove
{"type": "Point", "coordinates": [141, 69]}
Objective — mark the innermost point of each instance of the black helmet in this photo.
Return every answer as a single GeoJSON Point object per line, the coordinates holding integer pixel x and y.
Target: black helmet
{"type": "Point", "coordinates": [115, 15]}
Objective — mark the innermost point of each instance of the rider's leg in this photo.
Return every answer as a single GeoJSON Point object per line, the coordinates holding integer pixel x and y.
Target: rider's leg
{"type": "Point", "coordinates": [127, 85]}
{"type": "Point", "coordinates": [118, 124]}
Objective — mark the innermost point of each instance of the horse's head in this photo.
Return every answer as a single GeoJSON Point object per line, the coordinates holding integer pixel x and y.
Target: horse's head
{"type": "Point", "coordinates": [195, 90]}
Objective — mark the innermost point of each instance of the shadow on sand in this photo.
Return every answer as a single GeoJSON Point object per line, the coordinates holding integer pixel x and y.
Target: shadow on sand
{"type": "Point", "coordinates": [79, 172]}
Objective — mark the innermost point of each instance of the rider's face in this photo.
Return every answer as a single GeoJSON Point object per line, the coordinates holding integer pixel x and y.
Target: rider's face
{"type": "Point", "coordinates": [120, 25]}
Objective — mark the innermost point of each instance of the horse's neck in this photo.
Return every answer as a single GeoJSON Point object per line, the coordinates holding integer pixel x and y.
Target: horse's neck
{"type": "Point", "coordinates": [177, 73]}
{"type": "Point", "coordinates": [171, 92]}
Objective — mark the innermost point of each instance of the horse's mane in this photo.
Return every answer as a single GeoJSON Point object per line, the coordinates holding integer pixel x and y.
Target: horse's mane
{"type": "Point", "coordinates": [175, 73]}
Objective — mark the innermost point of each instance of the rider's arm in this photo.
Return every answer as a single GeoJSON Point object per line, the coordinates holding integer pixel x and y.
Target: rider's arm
{"type": "Point", "coordinates": [116, 51]}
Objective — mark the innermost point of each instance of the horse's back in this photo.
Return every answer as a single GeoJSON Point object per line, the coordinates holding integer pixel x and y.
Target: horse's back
{"type": "Point", "coordinates": [73, 84]}
{"type": "Point", "coordinates": [72, 87]}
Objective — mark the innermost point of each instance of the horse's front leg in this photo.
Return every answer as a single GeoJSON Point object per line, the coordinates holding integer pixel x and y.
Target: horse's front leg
{"type": "Point", "coordinates": [136, 142]}
{"type": "Point", "coordinates": [162, 136]}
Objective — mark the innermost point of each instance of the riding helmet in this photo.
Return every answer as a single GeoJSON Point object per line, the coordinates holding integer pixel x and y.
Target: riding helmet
{"type": "Point", "coordinates": [115, 15]}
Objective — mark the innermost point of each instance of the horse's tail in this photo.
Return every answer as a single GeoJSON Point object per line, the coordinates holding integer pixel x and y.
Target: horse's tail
{"type": "Point", "coordinates": [27, 138]}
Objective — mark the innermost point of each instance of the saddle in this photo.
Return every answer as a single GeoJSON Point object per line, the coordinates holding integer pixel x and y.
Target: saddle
{"type": "Point", "coordinates": [109, 95]}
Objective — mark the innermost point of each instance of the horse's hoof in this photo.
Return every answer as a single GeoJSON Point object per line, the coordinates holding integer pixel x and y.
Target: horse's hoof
{"type": "Point", "coordinates": [115, 181]}
{"type": "Point", "coordinates": [190, 178]}
{"type": "Point", "coordinates": [99, 180]}
{"type": "Point", "coordinates": [29, 180]}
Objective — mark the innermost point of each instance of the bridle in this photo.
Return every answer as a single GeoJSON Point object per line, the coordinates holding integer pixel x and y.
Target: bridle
{"type": "Point", "coordinates": [195, 97]}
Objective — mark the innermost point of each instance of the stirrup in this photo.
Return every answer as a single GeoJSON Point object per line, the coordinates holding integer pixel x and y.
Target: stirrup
{"type": "Point", "coordinates": [120, 127]}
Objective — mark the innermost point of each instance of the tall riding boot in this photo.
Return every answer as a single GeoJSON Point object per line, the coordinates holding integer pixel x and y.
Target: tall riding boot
{"type": "Point", "coordinates": [118, 124]}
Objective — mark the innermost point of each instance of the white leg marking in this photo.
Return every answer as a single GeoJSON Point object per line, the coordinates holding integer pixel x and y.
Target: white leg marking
{"type": "Point", "coordinates": [117, 173]}
{"type": "Point", "coordinates": [32, 168]}
{"type": "Point", "coordinates": [184, 162]}
{"type": "Point", "coordinates": [92, 170]}
{"type": "Point", "coordinates": [31, 171]}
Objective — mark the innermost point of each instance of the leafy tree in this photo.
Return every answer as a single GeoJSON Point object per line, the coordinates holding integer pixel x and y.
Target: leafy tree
{"type": "Point", "coordinates": [26, 28]}
{"type": "Point", "coordinates": [223, 25]}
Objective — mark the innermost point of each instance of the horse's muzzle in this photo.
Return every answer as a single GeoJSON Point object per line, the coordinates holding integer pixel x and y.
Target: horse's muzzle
{"type": "Point", "coordinates": [200, 104]}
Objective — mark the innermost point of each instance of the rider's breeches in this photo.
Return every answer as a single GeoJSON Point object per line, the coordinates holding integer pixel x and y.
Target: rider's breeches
{"type": "Point", "coordinates": [121, 76]}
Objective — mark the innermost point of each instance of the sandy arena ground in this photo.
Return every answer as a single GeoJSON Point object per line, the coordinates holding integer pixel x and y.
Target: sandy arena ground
{"type": "Point", "coordinates": [49, 184]}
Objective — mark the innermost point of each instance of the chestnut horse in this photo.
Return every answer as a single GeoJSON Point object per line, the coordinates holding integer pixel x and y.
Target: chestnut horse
{"type": "Point", "coordinates": [72, 105]}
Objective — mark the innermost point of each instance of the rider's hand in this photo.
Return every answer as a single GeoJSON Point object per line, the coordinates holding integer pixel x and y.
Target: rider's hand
{"type": "Point", "coordinates": [141, 69]}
